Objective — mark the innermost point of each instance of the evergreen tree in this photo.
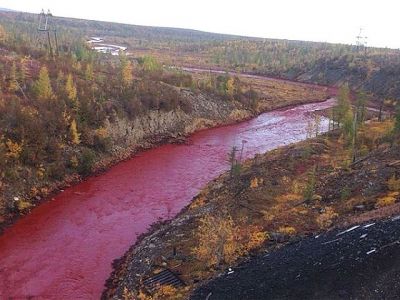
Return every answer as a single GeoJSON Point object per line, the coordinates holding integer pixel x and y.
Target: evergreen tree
{"type": "Point", "coordinates": [126, 72]}
{"type": "Point", "coordinates": [230, 87]}
{"type": "Point", "coordinates": [361, 108]}
{"type": "Point", "coordinates": [343, 107]}
{"type": "Point", "coordinates": [396, 129]}
{"type": "Point", "coordinates": [89, 72]}
{"type": "Point", "coordinates": [13, 83]}
{"type": "Point", "coordinates": [43, 86]}
{"type": "Point", "coordinates": [70, 89]}
{"type": "Point", "coordinates": [75, 136]}
{"type": "Point", "coordinates": [3, 35]}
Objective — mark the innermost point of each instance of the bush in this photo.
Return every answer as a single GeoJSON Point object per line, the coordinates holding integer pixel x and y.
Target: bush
{"type": "Point", "coordinates": [388, 200]}
{"type": "Point", "coordinates": [394, 184]}
{"type": "Point", "coordinates": [325, 220]}
{"type": "Point", "coordinates": [86, 162]}
{"type": "Point", "coordinates": [309, 190]}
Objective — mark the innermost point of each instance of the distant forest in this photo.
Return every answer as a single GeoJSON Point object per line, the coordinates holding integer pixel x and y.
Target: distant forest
{"type": "Point", "coordinates": [375, 70]}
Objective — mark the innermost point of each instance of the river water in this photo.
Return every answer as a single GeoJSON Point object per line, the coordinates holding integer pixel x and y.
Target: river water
{"type": "Point", "coordinates": [64, 248]}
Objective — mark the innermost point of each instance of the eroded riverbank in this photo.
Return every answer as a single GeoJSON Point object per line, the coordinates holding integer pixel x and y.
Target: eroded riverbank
{"type": "Point", "coordinates": [64, 248]}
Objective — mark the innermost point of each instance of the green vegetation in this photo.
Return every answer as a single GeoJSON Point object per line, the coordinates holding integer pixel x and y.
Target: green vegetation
{"type": "Point", "coordinates": [57, 114]}
{"type": "Point", "coordinates": [277, 198]}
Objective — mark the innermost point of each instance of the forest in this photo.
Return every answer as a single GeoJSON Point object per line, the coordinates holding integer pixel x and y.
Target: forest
{"type": "Point", "coordinates": [56, 109]}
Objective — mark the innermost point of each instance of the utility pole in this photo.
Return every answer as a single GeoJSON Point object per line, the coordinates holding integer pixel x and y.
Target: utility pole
{"type": "Point", "coordinates": [44, 26]}
{"type": "Point", "coordinates": [362, 41]}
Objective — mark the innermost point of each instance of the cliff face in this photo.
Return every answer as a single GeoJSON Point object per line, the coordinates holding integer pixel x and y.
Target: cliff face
{"type": "Point", "coordinates": [125, 138]}
{"type": "Point", "coordinates": [156, 126]}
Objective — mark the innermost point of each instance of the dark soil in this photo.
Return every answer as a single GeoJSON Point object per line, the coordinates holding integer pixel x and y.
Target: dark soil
{"type": "Point", "coordinates": [361, 264]}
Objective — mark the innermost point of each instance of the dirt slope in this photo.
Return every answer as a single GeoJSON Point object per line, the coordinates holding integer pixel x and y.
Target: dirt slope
{"type": "Point", "coordinates": [363, 263]}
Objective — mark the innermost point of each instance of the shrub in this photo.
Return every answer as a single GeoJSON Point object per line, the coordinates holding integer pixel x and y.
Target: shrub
{"type": "Point", "coordinates": [287, 230]}
{"type": "Point", "coordinates": [394, 184]}
{"type": "Point", "coordinates": [86, 162]}
{"type": "Point", "coordinates": [217, 240]}
{"type": "Point", "coordinates": [310, 187]}
{"type": "Point", "coordinates": [388, 200]}
{"type": "Point", "coordinates": [325, 220]}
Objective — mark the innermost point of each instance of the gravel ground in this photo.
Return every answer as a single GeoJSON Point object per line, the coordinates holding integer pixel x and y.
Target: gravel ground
{"type": "Point", "coordinates": [362, 262]}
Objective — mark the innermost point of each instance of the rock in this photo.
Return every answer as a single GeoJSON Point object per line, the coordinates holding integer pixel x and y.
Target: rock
{"type": "Point", "coordinates": [359, 207]}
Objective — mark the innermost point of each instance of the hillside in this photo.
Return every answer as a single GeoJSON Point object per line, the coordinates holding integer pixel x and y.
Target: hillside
{"type": "Point", "coordinates": [362, 263]}
{"type": "Point", "coordinates": [273, 200]}
{"type": "Point", "coordinates": [66, 117]}
{"type": "Point", "coordinates": [374, 70]}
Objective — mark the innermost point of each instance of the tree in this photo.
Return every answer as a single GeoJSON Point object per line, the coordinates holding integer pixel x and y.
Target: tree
{"type": "Point", "coordinates": [43, 86]}
{"type": "Point", "coordinates": [396, 128]}
{"type": "Point", "coordinates": [3, 35]}
{"type": "Point", "coordinates": [234, 162]}
{"type": "Point", "coordinates": [217, 240]}
{"type": "Point", "coordinates": [317, 124]}
{"type": "Point", "coordinates": [13, 83]}
{"type": "Point", "coordinates": [126, 73]}
{"type": "Point", "coordinates": [343, 106]}
{"type": "Point", "coordinates": [230, 87]}
{"type": "Point", "coordinates": [75, 136]}
{"type": "Point", "coordinates": [60, 80]}
{"type": "Point", "coordinates": [89, 72]}
{"type": "Point", "coordinates": [150, 64]}
{"type": "Point", "coordinates": [70, 89]}
{"type": "Point", "coordinates": [361, 108]}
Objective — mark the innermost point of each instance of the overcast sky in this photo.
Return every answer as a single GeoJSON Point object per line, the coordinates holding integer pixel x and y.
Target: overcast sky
{"type": "Point", "coordinates": [315, 20]}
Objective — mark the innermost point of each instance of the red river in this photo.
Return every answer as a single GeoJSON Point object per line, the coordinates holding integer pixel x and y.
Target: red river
{"type": "Point", "coordinates": [64, 248]}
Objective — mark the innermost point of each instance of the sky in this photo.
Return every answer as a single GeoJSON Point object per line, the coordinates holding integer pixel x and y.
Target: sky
{"type": "Point", "coordinates": [336, 21]}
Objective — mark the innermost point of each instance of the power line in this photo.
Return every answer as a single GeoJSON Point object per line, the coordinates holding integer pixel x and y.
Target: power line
{"type": "Point", "coordinates": [45, 27]}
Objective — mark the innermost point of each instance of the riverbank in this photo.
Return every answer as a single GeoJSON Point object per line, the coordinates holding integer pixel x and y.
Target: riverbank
{"type": "Point", "coordinates": [277, 198]}
{"type": "Point", "coordinates": [90, 224]}
{"type": "Point", "coordinates": [127, 138]}
{"type": "Point", "coordinates": [357, 263]}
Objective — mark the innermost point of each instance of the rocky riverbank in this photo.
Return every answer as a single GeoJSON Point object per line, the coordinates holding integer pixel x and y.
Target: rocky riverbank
{"type": "Point", "coordinates": [126, 138]}
{"type": "Point", "coordinates": [275, 199]}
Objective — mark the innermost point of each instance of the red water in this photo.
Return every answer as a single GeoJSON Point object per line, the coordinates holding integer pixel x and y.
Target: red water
{"type": "Point", "coordinates": [64, 248]}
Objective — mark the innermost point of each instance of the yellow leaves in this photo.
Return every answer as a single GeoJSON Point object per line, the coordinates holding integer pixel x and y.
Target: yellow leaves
{"type": "Point", "coordinates": [43, 87]}
{"type": "Point", "coordinates": [288, 197]}
{"type": "Point", "coordinates": [325, 220]}
{"type": "Point", "coordinates": [257, 238]}
{"type": "Point", "coordinates": [220, 240]}
{"type": "Point", "coordinates": [387, 200]}
{"type": "Point", "coordinates": [142, 295]}
{"type": "Point", "coordinates": [75, 136]}
{"type": "Point", "coordinates": [14, 149]}
{"type": "Point", "coordinates": [255, 182]}
{"type": "Point", "coordinates": [89, 72]}
{"type": "Point", "coordinates": [394, 184]}
{"type": "Point", "coordinates": [70, 88]}
{"type": "Point", "coordinates": [74, 162]}
{"type": "Point", "coordinates": [198, 202]}
{"type": "Point", "coordinates": [128, 295]}
{"type": "Point", "coordinates": [168, 292]}
{"type": "Point", "coordinates": [230, 87]}
{"type": "Point", "coordinates": [3, 35]}
{"type": "Point", "coordinates": [287, 230]}
{"type": "Point", "coordinates": [375, 132]}
{"type": "Point", "coordinates": [23, 205]}
{"type": "Point", "coordinates": [102, 132]}
{"type": "Point", "coordinates": [217, 240]}
{"type": "Point", "coordinates": [41, 171]}
{"type": "Point", "coordinates": [126, 72]}
{"type": "Point", "coordinates": [13, 83]}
